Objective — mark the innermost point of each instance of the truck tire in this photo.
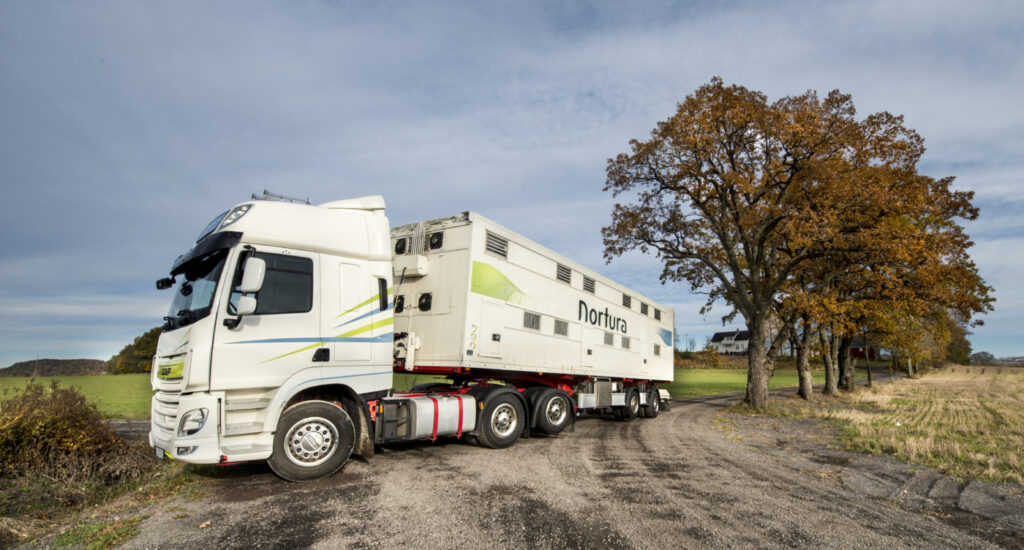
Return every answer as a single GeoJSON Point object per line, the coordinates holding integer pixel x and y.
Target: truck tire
{"type": "Point", "coordinates": [653, 406]}
{"type": "Point", "coordinates": [501, 422]}
{"type": "Point", "coordinates": [314, 439]}
{"type": "Point", "coordinates": [632, 408]}
{"type": "Point", "coordinates": [554, 412]}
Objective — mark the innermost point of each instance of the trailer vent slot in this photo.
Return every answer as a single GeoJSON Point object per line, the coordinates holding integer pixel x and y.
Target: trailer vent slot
{"type": "Point", "coordinates": [609, 339]}
{"type": "Point", "coordinates": [563, 273]}
{"type": "Point", "coordinates": [627, 301]}
{"type": "Point", "coordinates": [531, 320]}
{"type": "Point", "coordinates": [657, 314]}
{"type": "Point", "coordinates": [561, 327]}
{"type": "Point", "coordinates": [657, 349]}
{"type": "Point", "coordinates": [625, 342]}
{"type": "Point", "coordinates": [643, 308]}
{"type": "Point", "coordinates": [497, 245]}
{"type": "Point", "coordinates": [588, 284]}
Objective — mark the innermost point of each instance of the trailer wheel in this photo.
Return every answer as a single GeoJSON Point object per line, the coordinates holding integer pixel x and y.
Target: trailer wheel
{"type": "Point", "coordinates": [632, 408]}
{"type": "Point", "coordinates": [555, 408]}
{"type": "Point", "coordinates": [314, 439]}
{"type": "Point", "coordinates": [501, 422]}
{"type": "Point", "coordinates": [653, 406]}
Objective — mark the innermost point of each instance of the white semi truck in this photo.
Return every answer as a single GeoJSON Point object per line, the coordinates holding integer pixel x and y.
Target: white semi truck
{"type": "Point", "coordinates": [289, 320]}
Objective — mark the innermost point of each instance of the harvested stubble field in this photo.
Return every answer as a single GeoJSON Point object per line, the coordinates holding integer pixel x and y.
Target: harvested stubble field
{"type": "Point", "coordinates": [965, 421]}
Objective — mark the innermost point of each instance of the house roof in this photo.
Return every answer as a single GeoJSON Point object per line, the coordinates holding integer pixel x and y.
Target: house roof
{"type": "Point", "coordinates": [738, 335]}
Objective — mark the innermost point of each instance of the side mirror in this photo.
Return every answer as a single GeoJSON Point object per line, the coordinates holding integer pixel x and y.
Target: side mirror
{"type": "Point", "coordinates": [165, 283]}
{"type": "Point", "coordinates": [246, 305]}
{"type": "Point", "coordinates": [252, 278]}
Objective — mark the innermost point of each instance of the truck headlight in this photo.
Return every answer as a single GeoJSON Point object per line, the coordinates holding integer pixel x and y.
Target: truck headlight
{"type": "Point", "coordinates": [192, 421]}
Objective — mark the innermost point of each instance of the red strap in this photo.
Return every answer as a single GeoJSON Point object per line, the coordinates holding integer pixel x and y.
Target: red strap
{"type": "Point", "coordinates": [459, 397]}
{"type": "Point", "coordinates": [433, 436]}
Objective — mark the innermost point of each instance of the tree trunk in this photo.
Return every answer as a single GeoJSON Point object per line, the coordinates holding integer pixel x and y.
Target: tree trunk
{"type": "Point", "coordinates": [803, 360]}
{"type": "Point", "coordinates": [828, 357]}
{"type": "Point", "coordinates": [757, 366]}
{"type": "Point", "coordinates": [845, 364]}
{"type": "Point", "coordinates": [867, 358]}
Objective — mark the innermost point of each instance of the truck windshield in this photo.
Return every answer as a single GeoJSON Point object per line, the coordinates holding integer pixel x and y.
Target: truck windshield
{"type": "Point", "coordinates": [193, 294]}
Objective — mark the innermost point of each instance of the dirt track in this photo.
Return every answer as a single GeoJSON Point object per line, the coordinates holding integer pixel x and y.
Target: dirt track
{"type": "Point", "coordinates": [670, 482]}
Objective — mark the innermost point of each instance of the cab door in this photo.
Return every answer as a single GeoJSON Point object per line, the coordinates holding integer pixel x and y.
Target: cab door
{"type": "Point", "coordinates": [282, 336]}
{"type": "Point", "coordinates": [350, 302]}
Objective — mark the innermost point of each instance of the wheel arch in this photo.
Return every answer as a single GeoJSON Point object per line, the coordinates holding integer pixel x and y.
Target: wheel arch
{"type": "Point", "coordinates": [350, 402]}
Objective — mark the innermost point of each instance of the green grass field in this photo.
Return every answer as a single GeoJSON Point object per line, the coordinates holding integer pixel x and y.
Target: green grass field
{"type": "Point", "coordinates": [127, 396]}
{"type": "Point", "coordinates": [700, 382]}
{"type": "Point", "coordinates": [122, 396]}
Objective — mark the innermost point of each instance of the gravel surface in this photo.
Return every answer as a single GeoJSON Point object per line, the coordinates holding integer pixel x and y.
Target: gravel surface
{"type": "Point", "coordinates": [675, 481]}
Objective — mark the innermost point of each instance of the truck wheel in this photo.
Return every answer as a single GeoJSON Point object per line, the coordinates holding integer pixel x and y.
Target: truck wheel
{"type": "Point", "coordinates": [314, 439]}
{"type": "Point", "coordinates": [502, 422]}
{"type": "Point", "coordinates": [632, 408]}
{"type": "Point", "coordinates": [653, 406]}
{"type": "Point", "coordinates": [555, 408]}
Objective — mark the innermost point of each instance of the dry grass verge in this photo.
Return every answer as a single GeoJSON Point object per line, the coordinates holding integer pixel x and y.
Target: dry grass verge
{"type": "Point", "coordinates": [967, 422]}
{"type": "Point", "coordinates": [57, 457]}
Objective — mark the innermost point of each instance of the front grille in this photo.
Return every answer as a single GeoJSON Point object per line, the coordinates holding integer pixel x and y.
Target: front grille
{"type": "Point", "coordinates": [164, 415]}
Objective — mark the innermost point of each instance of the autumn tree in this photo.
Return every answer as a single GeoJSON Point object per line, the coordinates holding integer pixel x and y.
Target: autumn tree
{"type": "Point", "coordinates": [780, 209]}
{"type": "Point", "coordinates": [137, 356]}
{"type": "Point", "coordinates": [721, 196]}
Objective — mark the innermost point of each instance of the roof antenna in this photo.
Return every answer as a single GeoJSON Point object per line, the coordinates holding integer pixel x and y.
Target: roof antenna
{"type": "Point", "coordinates": [268, 196]}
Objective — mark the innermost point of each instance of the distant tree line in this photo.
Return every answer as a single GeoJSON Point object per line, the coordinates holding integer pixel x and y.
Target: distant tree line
{"type": "Point", "coordinates": [137, 356]}
{"type": "Point", "coordinates": [55, 367]}
{"type": "Point", "coordinates": [814, 225]}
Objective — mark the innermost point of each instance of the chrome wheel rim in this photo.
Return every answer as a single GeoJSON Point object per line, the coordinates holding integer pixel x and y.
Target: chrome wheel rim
{"type": "Point", "coordinates": [634, 403]}
{"type": "Point", "coordinates": [557, 410]}
{"type": "Point", "coordinates": [311, 441]}
{"type": "Point", "coordinates": [504, 420]}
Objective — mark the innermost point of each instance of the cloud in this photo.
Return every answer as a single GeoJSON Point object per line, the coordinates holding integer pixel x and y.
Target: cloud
{"type": "Point", "coordinates": [128, 126]}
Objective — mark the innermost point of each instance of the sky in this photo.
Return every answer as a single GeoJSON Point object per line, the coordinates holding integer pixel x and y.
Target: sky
{"type": "Point", "coordinates": [126, 126]}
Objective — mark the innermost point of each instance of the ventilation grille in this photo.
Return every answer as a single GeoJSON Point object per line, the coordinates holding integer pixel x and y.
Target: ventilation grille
{"type": "Point", "coordinates": [588, 284]}
{"type": "Point", "coordinates": [531, 320]}
{"type": "Point", "coordinates": [657, 349]}
{"type": "Point", "coordinates": [625, 342]}
{"type": "Point", "coordinates": [609, 339]}
{"type": "Point", "coordinates": [643, 308]}
{"type": "Point", "coordinates": [497, 245]}
{"type": "Point", "coordinates": [657, 314]}
{"type": "Point", "coordinates": [627, 301]}
{"type": "Point", "coordinates": [563, 273]}
{"type": "Point", "coordinates": [561, 327]}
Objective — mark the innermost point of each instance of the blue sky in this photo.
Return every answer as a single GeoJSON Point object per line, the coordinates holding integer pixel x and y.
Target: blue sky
{"type": "Point", "coordinates": [126, 126]}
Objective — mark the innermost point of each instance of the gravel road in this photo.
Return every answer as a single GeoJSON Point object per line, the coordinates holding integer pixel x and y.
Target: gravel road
{"type": "Point", "coordinates": [671, 482]}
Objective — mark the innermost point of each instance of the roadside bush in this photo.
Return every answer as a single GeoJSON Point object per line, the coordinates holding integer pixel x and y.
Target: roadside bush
{"type": "Point", "coordinates": [53, 438]}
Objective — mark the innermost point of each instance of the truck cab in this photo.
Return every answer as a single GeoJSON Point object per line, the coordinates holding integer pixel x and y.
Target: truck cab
{"type": "Point", "coordinates": [276, 306]}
